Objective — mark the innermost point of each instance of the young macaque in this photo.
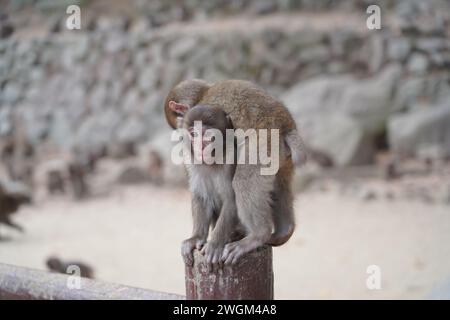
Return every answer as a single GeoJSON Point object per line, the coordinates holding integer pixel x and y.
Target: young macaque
{"type": "Point", "coordinates": [247, 105]}
{"type": "Point", "coordinates": [264, 203]}
{"type": "Point", "coordinates": [10, 201]}
{"type": "Point", "coordinates": [57, 265]}
{"type": "Point", "coordinates": [213, 200]}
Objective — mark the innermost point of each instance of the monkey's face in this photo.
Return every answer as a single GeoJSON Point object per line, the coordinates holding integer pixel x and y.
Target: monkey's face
{"type": "Point", "coordinates": [206, 126]}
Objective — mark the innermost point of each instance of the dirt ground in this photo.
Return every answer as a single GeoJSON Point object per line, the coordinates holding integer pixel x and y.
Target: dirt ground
{"type": "Point", "coordinates": [133, 237]}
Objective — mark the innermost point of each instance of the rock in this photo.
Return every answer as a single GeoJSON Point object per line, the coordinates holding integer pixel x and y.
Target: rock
{"type": "Point", "coordinates": [36, 126]}
{"type": "Point", "coordinates": [104, 125]}
{"type": "Point", "coordinates": [6, 27]}
{"type": "Point", "coordinates": [264, 7]}
{"type": "Point", "coordinates": [369, 101]}
{"type": "Point", "coordinates": [416, 132]}
{"type": "Point", "coordinates": [418, 64]}
{"type": "Point", "coordinates": [376, 53]}
{"type": "Point", "coordinates": [173, 174]}
{"type": "Point", "coordinates": [318, 53]}
{"type": "Point", "coordinates": [398, 48]}
{"type": "Point", "coordinates": [5, 121]}
{"type": "Point", "coordinates": [98, 96]}
{"type": "Point", "coordinates": [356, 110]}
{"type": "Point", "coordinates": [131, 101]}
{"type": "Point", "coordinates": [147, 78]}
{"type": "Point", "coordinates": [60, 129]}
{"type": "Point", "coordinates": [11, 93]}
{"type": "Point", "coordinates": [368, 195]}
{"type": "Point", "coordinates": [132, 130]}
{"type": "Point", "coordinates": [133, 175]}
{"type": "Point", "coordinates": [407, 94]}
{"type": "Point", "coordinates": [432, 45]}
{"type": "Point", "coordinates": [114, 44]}
{"type": "Point", "coordinates": [340, 137]}
{"type": "Point", "coordinates": [182, 47]}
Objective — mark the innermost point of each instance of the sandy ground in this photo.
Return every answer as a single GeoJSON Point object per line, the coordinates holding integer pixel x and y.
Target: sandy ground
{"type": "Point", "coordinates": [133, 237]}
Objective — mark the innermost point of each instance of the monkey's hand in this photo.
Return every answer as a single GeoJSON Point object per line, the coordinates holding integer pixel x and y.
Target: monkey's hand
{"type": "Point", "coordinates": [212, 252]}
{"type": "Point", "coordinates": [188, 246]}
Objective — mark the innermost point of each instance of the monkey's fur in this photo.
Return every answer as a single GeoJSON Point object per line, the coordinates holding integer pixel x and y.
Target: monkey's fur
{"type": "Point", "coordinates": [9, 204]}
{"type": "Point", "coordinates": [213, 199]}
{"type": "Point", "coordinates": [264, 203]}
{"type": "Point", "coordinates": [57, 265]}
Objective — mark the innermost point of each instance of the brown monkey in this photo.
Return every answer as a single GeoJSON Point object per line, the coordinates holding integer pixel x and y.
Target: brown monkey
{"type": "Point", "coordinates": [57, 265]}
{"type": "Point", "coordinates": [213, 200]}
{"type": "Point", "coordinates": [247, 105]}
{"type": "Point", "coordinates": [10, 201]}
{"type": "Point", "coordinates": [264, 202]}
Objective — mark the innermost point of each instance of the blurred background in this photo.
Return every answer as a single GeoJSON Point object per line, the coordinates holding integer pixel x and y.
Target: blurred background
{"type": "Point", "coordinates": [85, 170]}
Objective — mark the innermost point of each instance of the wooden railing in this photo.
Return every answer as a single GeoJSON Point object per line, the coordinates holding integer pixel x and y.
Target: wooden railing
{"type": "Point", "coordinates": [24, 283]}
{"type": "Point", "coordinates": [251, 278]}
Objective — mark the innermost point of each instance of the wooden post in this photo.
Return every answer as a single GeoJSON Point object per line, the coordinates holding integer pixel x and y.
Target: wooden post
{"type": "Point", "coordinates": [251, 278]}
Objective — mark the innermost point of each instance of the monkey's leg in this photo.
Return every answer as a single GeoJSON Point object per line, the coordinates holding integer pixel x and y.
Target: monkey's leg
{"type": "Point", "coordinates": [201, 216]}
{"type": "Point", "coordinates": [221, 234]}
{"type": "Point", "coordinates": [253, 201]}
{"type": "Point", "coordinates": [283, 209]}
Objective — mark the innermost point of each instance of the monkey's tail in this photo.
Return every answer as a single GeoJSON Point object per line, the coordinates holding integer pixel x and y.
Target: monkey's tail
{"type": "Point", "coordinates": [280, 237]}
{"type": "Point", "coordinates": [297, 147]}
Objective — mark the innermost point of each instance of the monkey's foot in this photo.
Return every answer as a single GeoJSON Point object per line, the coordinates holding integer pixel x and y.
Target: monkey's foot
{"type": "Point", "coordinates": [212, 252]}
{"type": "Point", "coordinates": [235, 250]}
{"type": "Point", "coordinates": [188, 246]}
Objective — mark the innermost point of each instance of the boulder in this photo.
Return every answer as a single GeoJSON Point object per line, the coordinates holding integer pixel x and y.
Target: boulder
{"type": "Point", "coordinates": [340, 137]}
{"type": "Point", "coordinates": [418, 64]}
{"type": "Point", "coordinates": [424, 132]}
{"type": "Point", "coordinates": [342, 116]}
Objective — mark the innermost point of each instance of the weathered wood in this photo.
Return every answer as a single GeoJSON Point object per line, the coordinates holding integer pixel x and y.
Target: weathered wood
{"type": "Point", "coordinates": [251, 278]}
{"type": "Point", "coordinates": [23, 283]}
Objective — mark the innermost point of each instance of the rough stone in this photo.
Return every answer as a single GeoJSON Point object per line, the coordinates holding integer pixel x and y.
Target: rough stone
{"type": "Point", "coordinates": [416, 132]}
{"type": "Point", "coordinates": [418, 64]}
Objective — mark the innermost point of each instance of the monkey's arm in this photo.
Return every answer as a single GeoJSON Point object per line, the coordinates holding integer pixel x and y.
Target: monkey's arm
{"type": "Point", "coordinates": [201, 216]}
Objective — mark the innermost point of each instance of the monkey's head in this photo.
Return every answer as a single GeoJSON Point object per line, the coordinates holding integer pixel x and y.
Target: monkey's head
{"type": "Point", "coordinates": [183, 96]}
{"type": "Point", "coordinates": [206, 123]}
{"type": "Point", "coordinates": [55, 264]}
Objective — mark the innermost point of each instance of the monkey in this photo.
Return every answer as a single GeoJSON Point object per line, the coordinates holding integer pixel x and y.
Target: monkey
{"type": "Point", "coordinates": [213, 199]}
{"type": "Point", "coordinates": [77, 175]}
{"type": "Point", "coordinates": [57, 265]}
{"type": "Point", "coordinates": [10, 201]}
{"type": "Point", "coordinates": [55, 182]}
{"type": "Point", "coordinates": [264, 202]}
{"type": "Point", "coordinates": [247, 105]}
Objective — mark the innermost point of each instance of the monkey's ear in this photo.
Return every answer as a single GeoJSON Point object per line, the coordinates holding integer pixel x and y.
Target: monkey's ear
{"type": "Point", "coordinates": [179, 108]}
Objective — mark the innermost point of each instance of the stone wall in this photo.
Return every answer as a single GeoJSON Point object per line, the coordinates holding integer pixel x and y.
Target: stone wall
{"type": "Point", "coordinates": [352, 90]}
